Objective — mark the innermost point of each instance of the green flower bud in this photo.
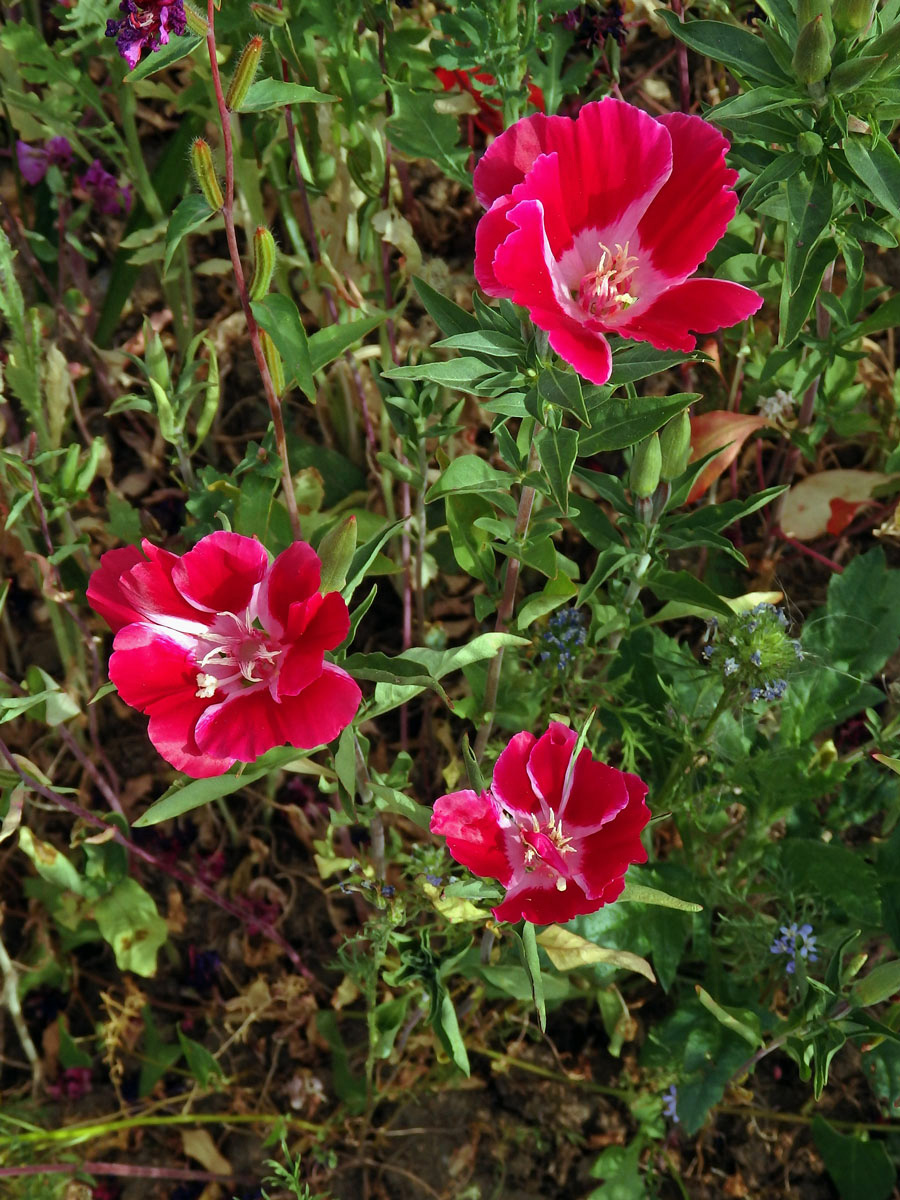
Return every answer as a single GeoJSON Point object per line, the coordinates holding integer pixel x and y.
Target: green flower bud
{"type": "Point", "coordinates": [809, 144]}
{"type": "Point", "coordinates": [244, 74]}
{"type": "Point", "coordinates": [263, 262]}
{"type": "Point", "coordinates": [196, 21]}
{"type": "Point", "coordinates": [852, 16]}
{"type": "Point", "coordinates": [809, 10]}
{"type": "Point", "coordinates": [336, 551]}
{"type": "Point", "coordinates": [269, 13]}
{"type": "Point", "coordinates": [205, 173]}
{"type": "Point", "coordinates": [675, 444]}
{"type": "Point", "coordinates": [812, 58]}
{"type": "Point", "coordinates": [643, 478]}
{"type": "Point", "coordinates": [155, 359]}
{"type": "Point", "coordinates": [67, 471]}
{"type": "Point", "coordinates": [273, 361]}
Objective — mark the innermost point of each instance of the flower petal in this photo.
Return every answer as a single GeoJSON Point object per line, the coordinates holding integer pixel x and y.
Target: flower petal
{"type": "Point", "coordinates": [149, 665]}
{"type": "Point", "coordinates": [511, 783]}
{"type": "Point", "coordinates": [474, 828]}
{"type": "Point", "coordinates": [599, 793]}
{"type": "Point", "coordinates": [293, 576]}
{"type": "Point", "coordinates": [548, 762]}
{"type": "Point", "coordinates": [221, 571]}
{"type": "Point", "coordinates": [173, 721]}
{"type": "Point", "coordinates": [604, 857]}
{"type": "Point", "coordinates": [699, 305]}
{"type": "Point", "coordinates": [104, 592]}
{"type": "Point", "coordinates": [251, 722]}
{"type": "Point", "coordinates": [693, 207]}
{"type": "Point", "coordinates": [587, 352]}
{"type": "Point", "coordinates": [538, 900]}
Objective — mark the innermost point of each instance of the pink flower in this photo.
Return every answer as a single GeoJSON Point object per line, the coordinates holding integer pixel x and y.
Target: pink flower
{"type": "Point", "coordinates": [558, 834]}
{"type": "Point", "coordinates": [595, 225]}
{"type": "Point", "coordinates": [224, 650]}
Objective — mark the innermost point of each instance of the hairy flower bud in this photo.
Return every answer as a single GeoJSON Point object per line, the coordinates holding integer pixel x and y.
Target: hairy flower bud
{"type": "Point", "coordinates": [244, 74]}
{"type": "Point", "coordinates": [754, 651]}
{"type": "Point", "coordinates": [852, 16]}
{"type": "Point", "coordinates": [336, 551]}
{"type": "Point", "coordinates": [205, 173]}
{"type": "Point", "coordinates": [273, 361]}
{"type": "Point", "coordinates": [675, 445]}
{"type": "Point", "coordinates": [812, 57]}
{"type": "Point", "coordinates": [269, 13]}
{"type": "Point", "coordinates": [196, 21]}
{"type": "Point", "coordinates": [263, 262]}
{"type": "Point", "coordinates": [646, 466]}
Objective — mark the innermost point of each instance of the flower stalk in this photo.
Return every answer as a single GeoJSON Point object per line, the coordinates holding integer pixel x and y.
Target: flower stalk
{"type": "Point", "coordinates": [272, 399]}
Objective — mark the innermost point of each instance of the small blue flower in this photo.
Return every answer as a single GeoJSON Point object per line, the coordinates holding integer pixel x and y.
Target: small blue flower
{"type": "Point", "coordinates": [795, 940]}
{"type": "Point", "coordinates": [670, 1102]}
{"type": "Point", "coordinates": [708, 652]}
{"type": "Point", "coordinates": [388, 891]}
{"type": "Point", "coordinates": [730, 666]}
{"type": "Point", "coordinates": [435, 880]}
{"type": "Point", "coordinates": [756, 658]}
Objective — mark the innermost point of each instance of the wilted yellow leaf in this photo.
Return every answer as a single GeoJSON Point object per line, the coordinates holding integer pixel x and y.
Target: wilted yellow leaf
{"type": "Point", "coordinates": [567, 950]}
{"type": "Point", "coordinates": [198, 1144]}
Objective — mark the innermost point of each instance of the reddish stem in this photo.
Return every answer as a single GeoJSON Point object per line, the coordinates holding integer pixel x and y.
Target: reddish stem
{"type": "Point", "coordinates": [230, 234]}
{"type": "Point", "coordinates": [809, 552]}
{"type": "Point", "coordinates": [123, 1170]}
{"type": "Point", "coordinates": [684, 75]}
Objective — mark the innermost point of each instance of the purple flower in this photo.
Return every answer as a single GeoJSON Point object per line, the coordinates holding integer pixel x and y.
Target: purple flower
{"type": "Point", "coordinates": [795, 940]}
{"type": "Point", "coordinates": [146, 23]}
{"type": "Point", "coordinates": [105, 191]}
{"type": "Point", "coordinates": [72, 1084]}
{"type": "Point", "coordinates": [670, 1101]}
{"type": "Point", "coordinates": [34, 160]}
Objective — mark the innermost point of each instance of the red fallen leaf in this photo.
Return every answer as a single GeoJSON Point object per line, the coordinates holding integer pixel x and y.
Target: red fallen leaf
{"type": "Point", "coordinates": [713, 430]}
{"type": "Point", "coordinates": [842, 513]}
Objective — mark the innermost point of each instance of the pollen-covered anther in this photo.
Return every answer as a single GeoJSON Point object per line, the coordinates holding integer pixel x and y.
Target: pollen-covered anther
{"type": "Point", "coordinates": [604, 292]}
{"type": "Point", "coordinates": [206, 685]}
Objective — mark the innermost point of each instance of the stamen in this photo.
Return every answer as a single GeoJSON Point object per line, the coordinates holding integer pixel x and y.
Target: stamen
{"type": "Point", "coordinates": [206, 686]}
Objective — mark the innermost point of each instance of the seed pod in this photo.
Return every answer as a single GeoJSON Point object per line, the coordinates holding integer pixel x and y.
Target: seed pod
{"type": "Point", "coordinates": [205, 173]}
{"type": "Point", "coordinates": [273, 361]}
{"type": "Point", "coordinates": [269, 13]}
{"type": "Point", "coordinates": [675, 446]}
{"type": "Point", "coordinates": [244, 74]}
{"type": "Point", "coordinates": [646, 466]}
{"type": "Point", "coordinates": [852, 16]}
{"type": "Point", "coordinates": [812, 57]}
{"type": "Point", "coordinates": [809, 144]}
{"type": "Point", "coordinates": [336, 551]}
{"type": "Point", "coordinates": [263, 262]}
{"type": "Point", "coordinates": [196, 22]}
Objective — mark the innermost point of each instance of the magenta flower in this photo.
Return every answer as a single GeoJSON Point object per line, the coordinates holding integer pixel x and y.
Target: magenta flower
{"type": "Point", "coordinates": [106, 193]}
{"type": "Point", "coordinates": [596, 224]}
{"type": "Point", "coordinates": [34, 160]}
{"type": "Point", "coordinates": [146, 24]}
{"type": "Point", "coordinates": [224, 650]}
{"type": "Point", "coordinates": [559, 835]}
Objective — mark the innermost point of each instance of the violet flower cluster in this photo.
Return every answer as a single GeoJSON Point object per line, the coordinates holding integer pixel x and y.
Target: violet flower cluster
{"type": "Point", "coordinates": [104, 191]}
{"type": "Point", "coordinates": [564, 637]}
{"type": "Point", "coordinates": [753, 651]}
{"type": "Point", "coordinates": [146, 24]}
{"type": "Point", "coordinates": [795, 941]}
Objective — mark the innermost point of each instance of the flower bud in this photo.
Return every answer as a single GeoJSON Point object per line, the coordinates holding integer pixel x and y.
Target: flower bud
{"type": "Point", "coordinates": [852, 16]}
{"type": "Point", "coordinates": [263, 262]}
{"type": "Point", "coordinates": [244, 73]}
{"type": "Point", "coordinates": [812, 57]}
{"type": "Point", "coordinates": [336, 551]}
{"type": "Point", "coordinates": [196, 21]}
{"type": "Point", "coordinates": [273, 361]}
{"type": "Point", "coordinates": [646, 465]}
{"type": "Point", "coordinates": [675, 445]}
{"type": "Point", "coordinates": [809, 10]}
{"type": "Point", "coordinates": [809, 144]}
{"type": "Point", "coordinates": [155, 359]}
{"type": "Point", "coordinates": [205, 173]}
{"type": "Point", "coordinates": [269, 13]}
{"type": "Point", "coordinates": [754, 652]}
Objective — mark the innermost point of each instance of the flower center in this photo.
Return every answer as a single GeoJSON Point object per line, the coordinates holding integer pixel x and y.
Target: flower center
{"type": "Point", "coordinates": [236, 652]}
{"type": "Point", "coordinates": [604, 292]}
{"type": "Point", "coordinates": [550, 845]}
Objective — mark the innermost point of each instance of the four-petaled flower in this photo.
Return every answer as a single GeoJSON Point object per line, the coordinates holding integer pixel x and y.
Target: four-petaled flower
{"type": "Point", "coordinates": [557, 833]}
{"type": "Point", "coordinates": [224, 650]}
{"type": "Point", "coordinates": [794, 941]}
{"type": "Point", "coordinates": [146, 23]}
{"type": "Point", "coordinates": [596, 224]}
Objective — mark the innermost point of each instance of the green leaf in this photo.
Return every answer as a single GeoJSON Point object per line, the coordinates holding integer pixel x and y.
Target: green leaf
{"type": "Point", "coordinates": [453, 372]}
{"type": "Point", "coordinates": [621, 422]}
{"type": "Point", "coordinates": [740, 1021]}
{"type": "Point", "coordinates": [878, 167]}
{"type": "Point", "coordinates": [202, 1064]}
{"type": "Point", "coordinates": [280, 318]}
{"type": "Point", "coordinates": [449, 317]}
{"type": "Point", "coordinates": [739, 49]}
{"type": "Point", "coordinates": [472, 545]}
{"type": "Point", "coordinates": [563, 389]}
{"type": "Point", "coordinates": [191, 213]}
{"type": "Point", "coordinates": [490, 342]}
{"type": "Point", "coordinates": [418, 130]}
{"type": "Point", "coordinates": [557, 450]}
{"type": "Point", "coordinates": [797, 302]}
{"type": "Point", "coordinates": [202, 791]}
{"type": "Point", "coordinates": [128, 919]}
{"type": "Point", "coordinates": [468, 473]}
{"type": "Point", "coordinates": [642, 894]}
{"type": "Point", "coordinates": [528, 945]}
{"type": "Point", "coordinates": [886, 316]}
{"type": "Point", "coordinates": [636, 360]}
{"type": "Point", "coordinates": [50, 863]}
{"type": "Point", "coordinates": [861, 1170]}
{"type": "Point", "coordinates": [330, 343]}
{"type": "Point", "coordinates": [446, 1026]}
{"type": "Point", "coordinates": [276, 93]}
{"type": "Point", "coordinates": [176, 49]}
{"type": "Point", "coordinates": [682, 586]}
